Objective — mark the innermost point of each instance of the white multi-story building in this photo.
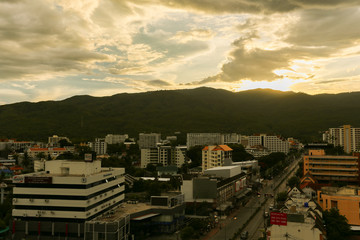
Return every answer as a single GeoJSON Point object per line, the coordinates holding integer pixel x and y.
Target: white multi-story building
{"type": "Point", "coordinates": [149, 140]}
{"type": "Point", "coordinates": [345, 136]}
{"type": "Point", "coordinates": [232, 138]}
{"type": "Point", "coordinates": [68, 192]}
{"type": "Point", "coordinates": [99, 146]}
{"type": "Point", "coordinates": [201, 139]}
{"type": "Point", "coordinates": [215, 156]}
{"type": "Point", "coordinates": [273, 143]}
{"type": "Point", "coordinates": [116, 138]}
{"type": "Point", "coordinates": [165, 155]}
{"type": "Point", "coordinates": [179, 156]}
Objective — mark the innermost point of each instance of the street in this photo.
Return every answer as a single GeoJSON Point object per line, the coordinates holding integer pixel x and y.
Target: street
{"type": "Point", "coordinates": [240, 216]}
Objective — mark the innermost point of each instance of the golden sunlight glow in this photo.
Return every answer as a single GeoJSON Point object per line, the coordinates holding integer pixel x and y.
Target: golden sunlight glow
{"type": "Point", "coordinates": [284, 84]}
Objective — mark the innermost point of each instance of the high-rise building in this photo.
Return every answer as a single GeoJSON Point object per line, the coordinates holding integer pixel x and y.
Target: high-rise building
{"type": "Point", "coordinates": [149, 140]}
{"type": "Point", "coordinates": [116, 138]}
{"type": "Point", "coordinates": [202, 139]}
{"type": "Point", "coordinates": [345, 136]}
{"type": "Point", "coordinates": [273, 143]}
{"type": "Point", "coordinates": [60, 200]}
{"type": "Point", "coordinates": [215, 156]}
{"type": "Point", "coordinates": [99, 146]}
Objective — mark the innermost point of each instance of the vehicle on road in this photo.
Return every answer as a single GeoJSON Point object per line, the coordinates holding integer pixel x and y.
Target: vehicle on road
{"type": "Point", "coordinates": [244, 235]}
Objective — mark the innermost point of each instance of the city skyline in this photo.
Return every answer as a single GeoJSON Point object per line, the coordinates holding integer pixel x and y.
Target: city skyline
{"type": "Point", "coordinates": [54, 49]}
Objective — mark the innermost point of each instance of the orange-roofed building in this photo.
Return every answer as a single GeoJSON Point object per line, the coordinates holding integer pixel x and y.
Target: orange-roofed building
{"type": "Point", "coordinates": [215, 156]}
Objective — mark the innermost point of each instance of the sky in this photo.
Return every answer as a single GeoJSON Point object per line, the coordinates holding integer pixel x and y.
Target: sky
{"type": "Point", "coordinates": [55, 49]}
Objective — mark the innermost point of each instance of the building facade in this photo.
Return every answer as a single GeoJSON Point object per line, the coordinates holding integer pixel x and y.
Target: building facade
{"type": "Point", "coordinates": [51, 153]}
{"type": "Point", "coordinates": [215, 156]}
{"type": "Point", "coordinates": [326, 168]}
{"type": "Point", "coordinates": [58, 201]}
{"type": "Point", "coordinates": [149, 140]}
{"type": "Point", "coordinates": [201, 139]}
{"type": "Point", "coordinates": [345, 199]}
{"type": "Point", "coordinates": [99, 146]}
{"type": "Point", "coordinates": [345, 136]}
{"type": "Point", "coordinates": [116, 138]}
{"type": "Point", "coordinates": [163, 154]}
{"type": "Point", "coordinates": [273, 143]}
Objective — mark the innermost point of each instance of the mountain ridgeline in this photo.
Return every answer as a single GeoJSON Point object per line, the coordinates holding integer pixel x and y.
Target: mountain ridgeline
{"type": "Point", "coordinates": [196, 110]}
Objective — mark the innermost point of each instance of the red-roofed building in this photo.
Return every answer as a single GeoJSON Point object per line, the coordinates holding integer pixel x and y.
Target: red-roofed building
{"type": "Point", "coordinates": [52, 152]}
{"type": "Point", "coordinates": [214, 156]}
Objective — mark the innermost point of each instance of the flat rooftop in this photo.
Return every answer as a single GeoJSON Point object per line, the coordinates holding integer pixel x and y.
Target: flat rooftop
{"type": "Point", "coordinates": [124, 210]}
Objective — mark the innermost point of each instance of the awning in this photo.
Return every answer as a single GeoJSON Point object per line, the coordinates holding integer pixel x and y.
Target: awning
{"type": "Point", "coordinates": [243, 194]}
{"type": "Point", "coordinates": [145, 216]}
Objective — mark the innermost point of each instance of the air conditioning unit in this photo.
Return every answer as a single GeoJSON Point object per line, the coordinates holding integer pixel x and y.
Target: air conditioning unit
{"type": "Point", "coordinates": [24, 215]}
{"type": "Point", "coordinates": [31, 199]}
{"type": "Point", "coordinates": [14, 200]}
{"type": "Point", "coordinates": [38, 214]}
{"type": "Point", "coordinates": [46, 200]}
{"type": "Point", "coordinates": [83, 180]}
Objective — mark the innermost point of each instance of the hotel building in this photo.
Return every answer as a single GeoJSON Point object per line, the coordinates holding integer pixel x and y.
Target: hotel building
{"type": "Point", "coordinates": [273, 143]}
{"type": "Point", "coordinates": [59, 201]}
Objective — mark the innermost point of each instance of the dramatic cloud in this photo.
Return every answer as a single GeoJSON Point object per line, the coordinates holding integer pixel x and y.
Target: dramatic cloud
{"type": "Point", "coordinates": [108, 46]}
{"type": "Point", "coordinates": [36, 40]}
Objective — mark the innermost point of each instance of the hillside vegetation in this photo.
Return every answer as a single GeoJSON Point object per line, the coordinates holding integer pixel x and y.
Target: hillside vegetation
{"type": "Point", "coordinates": [196, 110]}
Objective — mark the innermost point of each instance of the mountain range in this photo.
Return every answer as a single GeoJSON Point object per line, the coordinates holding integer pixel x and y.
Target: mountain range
{"type": "Point", "coordinates": [203, 109]}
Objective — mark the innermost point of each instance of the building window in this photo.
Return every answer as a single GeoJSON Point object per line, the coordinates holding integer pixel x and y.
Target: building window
{"type": "Point", "coordinates": [334, 204]}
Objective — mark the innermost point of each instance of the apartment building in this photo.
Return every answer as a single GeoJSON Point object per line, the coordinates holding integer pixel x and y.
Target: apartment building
{"type": "Point", "coordinates": [201, 139]}
{"type": "Point", "coordinates": [99, 146]}
{"type": "Point", "coordinates": [149, 140]}
{"type": "Point", "coordinates": [326, 168]}
{"type": "Point", "coordinates": [163, 154]}
{"type": "Point", "coordinates": [115, 138]}
{"type": "Point", "coordinates": [57, 202]}
{"type": "Point", "coordinates": [345, 199]}
{"type": "Point", "coordinates": [273, 143]}
{"type": "Point", "coordinates": [215, 156]}
{"type": "Point", "coordinates": [345, 136]}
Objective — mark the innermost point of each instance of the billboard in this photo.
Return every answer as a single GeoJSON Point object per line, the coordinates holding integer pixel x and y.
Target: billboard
{"type": "Point", "coordinates": [39, 180]}
{"type": "Point", "coordinates": [18, 179]}
{"type": "Point", "coordinates": [240, 184]}
{"type": "Point", "coordinates": [277, 218]}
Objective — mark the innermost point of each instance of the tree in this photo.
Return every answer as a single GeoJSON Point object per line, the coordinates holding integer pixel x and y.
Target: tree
{"type": "Point", "coordinates": [239, 154]}
{"type": "Point", "coordinates": [281, 196]}
{"type": "Point", "coordinates": [187, 233]}
{"type": "Point", "coordinates": [337, 226]}
{"type": "Point", "coordinates": [195, 154]}
{"type": "Point", "coordinates": [64, 142]}
{"type": "Point", "coordinates": [294, 181]}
